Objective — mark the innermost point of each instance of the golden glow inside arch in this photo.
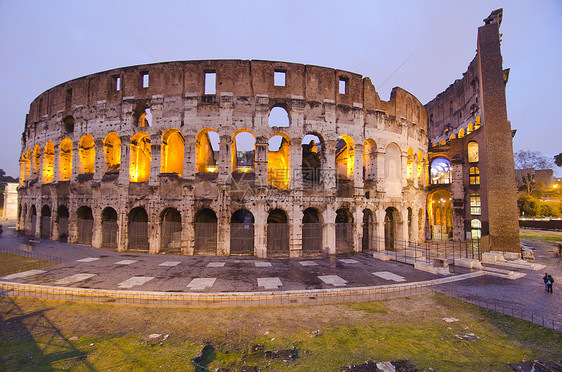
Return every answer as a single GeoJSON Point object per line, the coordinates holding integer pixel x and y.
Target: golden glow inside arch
{"type": "Point", "coordinates": [173, 144]}
{"type": "Point", "coordinates": [141, 156]}
{"type": "Point", "coordinates": [477, 122]}
{"type": "Point", "coordinates": [473, 153]}
{"type": "Point", "coordinates": [206, 155]}
{"type": "Point", "coordinates": [461, 133]}
{"type": "Point", "coordinates": [65, 160]}
{"type": "Point", "coordinates": [420, 168]}
{"type": "Point", "coordinates": [345, 157]}
{"type": "Point", "coordinates": [35, 161]}
{"type": "Point", "coordinates": [87, 155]}
{"type": "Point", "coordinates": [410, 165]}
{"type": "Point", "coordinates": [48, 163]}
{"type": "Point", "coordinates": [440, 213]}
{"type": "Point", "coordinates": [112, 151]}
{"type": "Point", "coordinates": [470, 128]}
{"type": "Point", "coordinates": [278, 163]}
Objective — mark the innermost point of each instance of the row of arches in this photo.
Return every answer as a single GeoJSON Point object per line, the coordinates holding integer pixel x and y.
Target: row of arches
{"type": "Point", "coordinates": [136, 230]}
{"type": "Point", "coordinates": [49, 162]}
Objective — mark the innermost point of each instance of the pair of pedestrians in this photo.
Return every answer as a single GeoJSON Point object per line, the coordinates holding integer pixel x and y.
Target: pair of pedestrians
{"type": "Point", "coordinates": [548, 281]}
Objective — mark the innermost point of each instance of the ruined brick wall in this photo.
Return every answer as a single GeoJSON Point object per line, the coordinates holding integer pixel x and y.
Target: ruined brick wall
{"type": "Point", "coordinates": [72, 182]}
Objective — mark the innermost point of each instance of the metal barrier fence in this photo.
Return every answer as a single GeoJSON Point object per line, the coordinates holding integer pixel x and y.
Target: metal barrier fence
{"type": "Point", "coordinates": [277, 240]}
{"type": "Point", "coordinates": [109, 234]}
{"type": "Point", "coordinates": [427, 252]}
{"type": "Point", "coordinates": [26, 249]}
{"type": "Point", "coordinates": [511, 310]}
{"type": "Point", "coordinates": [205, 238]}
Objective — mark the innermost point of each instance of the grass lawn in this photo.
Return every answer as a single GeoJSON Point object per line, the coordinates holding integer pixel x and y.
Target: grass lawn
{"type": "Point", "coordinates": [12, 263]}
{"type": "Point", "coordinates": [40, 335]}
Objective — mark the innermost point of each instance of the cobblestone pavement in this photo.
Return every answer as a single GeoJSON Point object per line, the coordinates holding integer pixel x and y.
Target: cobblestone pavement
{"type": "Point", "coordinates": [87, 267]}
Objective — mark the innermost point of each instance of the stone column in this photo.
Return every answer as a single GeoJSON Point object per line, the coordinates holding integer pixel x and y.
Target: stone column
{"type": "Point", "coordinates": [260, 165]}
{"type": "Point", "coordinates": [358, 168]}
{"type": "Point", "coordinates": [75, 161]}
{"type": "Point", "coordinates": [260, 224]}
{"type": "Point", "coordinates": [404, 171]}
{"type": "Point", "coordinates": [155, 151]}
{"type": "Point", "coordinates": [379, 229]}
{"type": "Point", "coordinates": [329, 216]}
{"type": "Point", "coordinates": [379, 161]}
{"type": "Point", "coordinates": [225, 159]}
{"type": "Point", "coordinates": [99, 167]}
{"type": "Point", "coordinates": [122, 229]}
{"type": "Point", "coordinates": [189, 157]}
{"type": "Point", "coordinates": [358, 229]}
{"type": "Point", "coordinates": [125, 160]}
{"type": "Point", "coordinates": [295, 218]}
{"type": "Point", "coordinates": [295, 160]}
{"type": "Point", "coordinates": [97, 233]}
{"type": "Point", "coordinates": [329, 167]}
{"type": "Point", "coordinates": [56, 163]}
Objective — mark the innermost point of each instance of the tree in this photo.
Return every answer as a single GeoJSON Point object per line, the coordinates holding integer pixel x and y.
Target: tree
{"type": "Point", "coordinates": [526, 162]}
{"type": "Point", "coordinates": [4, 178]}
{"type": "Point", "coordinates": [558, 159]}
{"type": "Point", "coordinates": [528, 205]}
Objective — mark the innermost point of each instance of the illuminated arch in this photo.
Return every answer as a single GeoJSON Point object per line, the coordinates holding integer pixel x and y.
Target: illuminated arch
{"type": "Point", "coordinates": [243, 151]}
{"type": "Point", "coordinates": [173, 144]}
{"type": "Point", "coordinates": [141, 156]}
{"type": "Point", "coordinates": [87, 152]}
{"type": "Point", "coordinates": [443, 142]}
{"type": "Point", "coordinates": [278, 117]}
{"type": "Point", "coordinates": [473, 152]}
{"type": "Point", "coordinates": [312, 154]}
{"type": "Point", "coordinates": [410, 165]}
{"type": "Point", "coordinates": [48, 162]}
{"type": "Point", "coordinates": [440, 214]}
{"type": "Point", "coordinates": [470, 128]}
{"type": "Point", "coordinates": [35, 161]}
{"type": "Point", "coordinates": [440, 171]}
{"type": "Point", "coordinates": [112, 151]}
{"type": "Point", "coordinates": [370, 160]}
{"type": "Point", "coordinates": [461, 133]}
{"type": "Point", "coordinates": [206, 149]}
{"type": "Point", "coordinates": [345, 157]}
{"type": "Point", "coordinates": [420, 168]}
{"type": "Point", "coordinates": [278, 161]}
{"type": "Point", "coordinates": [65, 160]}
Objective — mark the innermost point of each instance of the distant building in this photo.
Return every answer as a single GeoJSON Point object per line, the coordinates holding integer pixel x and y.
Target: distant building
{"type": "Point", "coordinates": [541, 177]}
{"type": "Point", "coordinates": [10, 201]}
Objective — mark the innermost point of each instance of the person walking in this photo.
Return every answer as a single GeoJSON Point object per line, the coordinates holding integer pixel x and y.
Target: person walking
{"type": "Point", "coordinates": [545, 279]}
{"type": "Point", "coordinates": [549, 282]}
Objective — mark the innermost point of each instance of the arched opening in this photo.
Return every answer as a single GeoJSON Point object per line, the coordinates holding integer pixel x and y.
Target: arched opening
{"type": "Point", "coordinates": [461, 133]}
{"type": "Point", "coordinates": [393, 170]}
{"type": "Point", "coordinates": [473, 153]}
{"type": "Point", "coordinates": [171, 231]}
{"type": "Point", "coordinates": [344, 231]}
{"type": "Point", "coordinates": [470, 128]}
{"type": "Point", "coordinates": [278, 164]}
{"type": "Point", "coordinates": [312, 153]}
{"type": "Point", "coordinates": [410, 171]}
{"type": "Point", "coordinates": [440, 214]}
{"type": "Point", "coordinates": [138, 229]}
{"type": "Point", "coordinates": [207, 151]}
{"type": "Point", "coordinates": [278, 117]}
{"type": "Point", "coordinates": [370, 160]}
{"type": "Point", "coordinates": [311, 232]}
{"type": "Point", "coordinates": [109, 228]}
{"type": "Point", "coordinates": [35, 162]}
{"type": "Point", "coordinates": [48, 162]}
{"type": "Point", "coordinates": [475, 229]}
{"type": "Point", "coordinates": [345, 158]}
{"type": "Point", "coordinates": [141, 156]}
{"type": "Point", "coordinates": [368, 241]}
{"type": "Point", "coordinates": [65, 160]}
{"type": "Point", "coordinates": [33, 213]}
{"type": "Point", "coordinates": [63, 216]}
{"type": "Point", "coordinates": [390, 229]}
{"type": "Point", "coordinates": [277, 234]}
{"type": "Point", "coordinates": [87, 152]}
{"type": "Point", "coordinates": [205, 232]}
{"type": "Point", "coordinates": [85, 225]}
{"type": "Point", "coordinates": [440, 171]}
{"type": "Point", "coordinates": [243, 151]}
{"type": "Point", "coordinates": [242, 233]}
{"type": "Point", "coordinates": [420, 169]}
{"type": "Point", "coordinates": [172, 152]}
{"type": "Point", "coordinates": [68, 124]}
{"type": "Point", "coordinates": [23, 161]}
{"type": "Point", "coordinates": [27, 159]}
{"type": "Point", "coordinates": [112, 152]}
{"type": "Point", "coordinates": [45, 227]}
{"type": "Point", "coordinates": [142, 116]}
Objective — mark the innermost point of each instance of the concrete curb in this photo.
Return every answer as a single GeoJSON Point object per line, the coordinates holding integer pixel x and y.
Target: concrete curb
{"type": "Point", "coordinates": [218, 299]}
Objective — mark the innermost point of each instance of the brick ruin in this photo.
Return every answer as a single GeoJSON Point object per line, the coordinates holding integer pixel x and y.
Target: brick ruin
{"type": "Point", "coordinates": [264, 158]}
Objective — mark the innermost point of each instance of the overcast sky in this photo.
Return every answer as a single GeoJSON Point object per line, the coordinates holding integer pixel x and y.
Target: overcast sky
{"type": "Point", "coordinates": [421, 46]}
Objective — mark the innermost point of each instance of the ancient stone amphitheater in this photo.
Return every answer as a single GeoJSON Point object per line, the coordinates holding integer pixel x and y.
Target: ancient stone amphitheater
{"type": "Point", "coordinates": [225, 157]}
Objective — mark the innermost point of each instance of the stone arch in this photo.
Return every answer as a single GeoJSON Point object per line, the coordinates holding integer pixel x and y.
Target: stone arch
{"type": "Point", "coordinates": [85, 225]}
{"type": "Point", "coordinates": [312, 232]}
{"type": "Point", "coordinates": [141, 157]}
{"type": "Point", "coordinates": [36, 162]}
{"type": "Point", "coordinates": [27, 159]}
{"type": "Point", "coordinates": [173, 144]}
{"type": "Point", "coordinates": [62, 220]}
{"type": "Point", "coordinates": [344, 230]}
{"type": "Point", "coordinates": [345, 157]}
{"type": "Point", "coordinates": [393, 170]}
{"type": "Point", "coordinates": [205, 232]}
{"type": "Point", "coordinates": [420, 169]}
{"type": "Point", "coordinates": [138, 229]}
{"type": "Point", "coordinates": [279, 117]}
{"type": "Point", "coordinates": [33, 215]}
{"type": "Point", "coordinates": [45, 227]}
{"type": "Point", "coordinates": [170, 231]}
{"type": "Point", "coordinates": [142, 116]}
{"type": "Point", "coordinates": [48, 163]}
{"type": "Point", "coordinates": [87, 155]}
{"type": "Point", "coordinates": [473, 152]}
{"type": "Point", "coordinates": [243, 151]}
{"type": "Point", "coordinates": [207, 151]}
{"type": "Point", "coordinates": [312, 156]}
{"type": "Point", "coordinates": [277, 233]}
{"type": "Point", "coordinates": [278, 161]}
{"type": "Point", "coordinates": [368, 242]}
{"type": "Point", "coordinates": [440, 214]}
{"type": "Point", "coordinates": [370, 160]}
{"type": "Point", "coordinates": [242, 233]}
{"type": "Point", "coordinates": [410, 171]}
{"type": "Point", "coordinates": [440, 170]}
{"type": "Point", "coordinates": [391, 229]}
{"type": "Point", "coordinates": [65, 159]}
{"type": "Point", "coordinates": [112, 152]}
{"type": "Point", "coordinates": [109, 228]}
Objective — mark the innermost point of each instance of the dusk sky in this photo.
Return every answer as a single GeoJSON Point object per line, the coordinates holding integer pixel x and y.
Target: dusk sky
{"type": "Point", "coordinates": [421, 46]}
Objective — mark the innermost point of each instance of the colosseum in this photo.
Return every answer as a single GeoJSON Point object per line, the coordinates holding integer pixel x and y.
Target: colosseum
{"type": "Point", "coordinates": [266, 158]}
